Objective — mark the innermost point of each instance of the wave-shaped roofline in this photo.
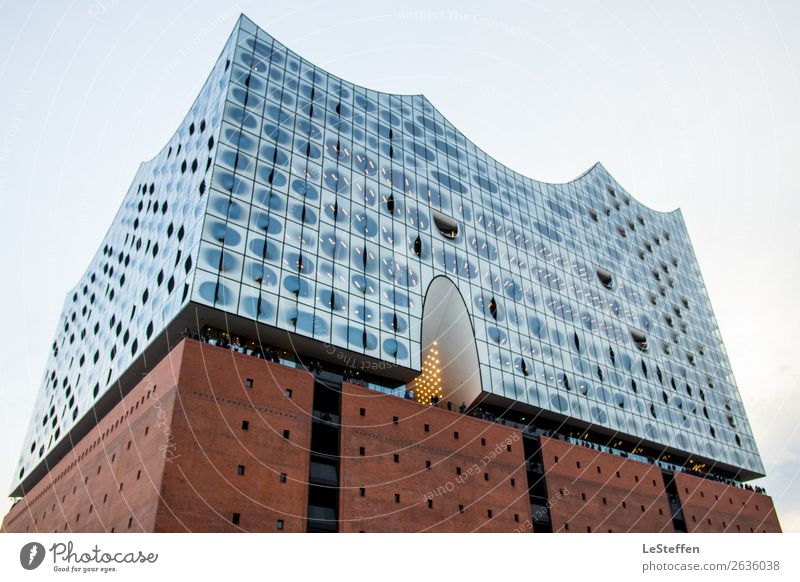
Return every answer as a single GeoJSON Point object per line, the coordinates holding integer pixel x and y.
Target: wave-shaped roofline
{"type": "Point", "coordinates": [596, 167]}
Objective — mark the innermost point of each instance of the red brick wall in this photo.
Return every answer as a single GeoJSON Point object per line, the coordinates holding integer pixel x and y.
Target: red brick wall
{"type": "Point", "coordinates": [112, 477]}
{"type": "Point", "coordinates": [184, 423]}
{"type": "Point", "coordinates": [603, 492]}
{"type": "Point", "coordinates": [201, 488]}
{"type": "Point", "coordinates": [166, 459]}
{"type": "Point", "coordinates": [709, 506]}
{"type": "Point", "coordinates": [381, 477]}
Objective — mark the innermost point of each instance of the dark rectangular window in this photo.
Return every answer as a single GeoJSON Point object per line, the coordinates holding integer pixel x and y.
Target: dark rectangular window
{"type": "Point", "coordinates": [138, 474]}
{"type": "Point", "coordinates": [235, 518]}
{"type": "Point", "coordinates": [288, 392]}
{"type": "Point", "coordinates": [489, 513]}
{"type": "Point", "coordinates": [395, 420]}
{"type": "Point", "coordinates": [397, 498]}
{"type": "Point", "coordinates": [362, 451]}
{"type": "Point", "coordinates": [458, 470]}
{"type": "Point", "coordinates": [513, 482]}
{"type": "Point", "coordinates": [396, 458]}
{"type": "Point", "coordinates": [282, 478]}
{"type": "Point", "coordinates": [286, 433]}
{"type": "Point", "coordinates": [130, 522]}
{"type": "Point", "coordinates": [427, 464]}
{"type": "Point", "coordinates": [427, 428]}
{"type": "Point", "coordinates": [245, 425]}
{"type": "Point", "coordinates": [280, 524]}
{"type": "Point", "coordinates": [455, 435]}
{"type": "Point", "coordinates": [430, 503]}
{"type": "Point", "coordinates": [516, 517]}
{"type": "Point", "coordinates": [248, 383]}
{"type": "Point", "coordinates": [486, 476]}
{"type": "Point", "coordinates": [483, 442]}
{"type": "Point", "coordinates": [362, 492]}
{"type": "Point", "coordinates": [362, 411]}
{"type": "Point", "coordinates": [240, 470]}
{"type": "Point", "coordinates": [461, 509]}
{"type": "Point", "coordinates": [508, 448]}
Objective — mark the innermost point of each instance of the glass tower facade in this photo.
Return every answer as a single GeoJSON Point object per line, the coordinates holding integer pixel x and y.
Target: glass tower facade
{"type": "Point", "coordinates": [314, 206]}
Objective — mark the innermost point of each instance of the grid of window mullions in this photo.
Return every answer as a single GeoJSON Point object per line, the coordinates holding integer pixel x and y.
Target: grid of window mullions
{"type": "Point", "coordinates": [472, 164]}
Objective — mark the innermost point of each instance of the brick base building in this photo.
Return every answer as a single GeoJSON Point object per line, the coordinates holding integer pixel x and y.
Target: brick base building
{"type": "Point", "coordinates": [211, 440]}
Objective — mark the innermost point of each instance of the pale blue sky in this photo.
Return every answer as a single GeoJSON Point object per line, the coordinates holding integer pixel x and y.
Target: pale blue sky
{"type": "Point", "coordinates": [689, 104]}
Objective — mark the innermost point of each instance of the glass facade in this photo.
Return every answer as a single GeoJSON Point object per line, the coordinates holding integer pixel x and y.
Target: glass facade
{"type": "Point", "coordinates": [310, 204]}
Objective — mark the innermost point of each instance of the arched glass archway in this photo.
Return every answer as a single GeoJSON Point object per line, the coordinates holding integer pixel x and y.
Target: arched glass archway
{"type": "Point", "coordinates": [449, 355]}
